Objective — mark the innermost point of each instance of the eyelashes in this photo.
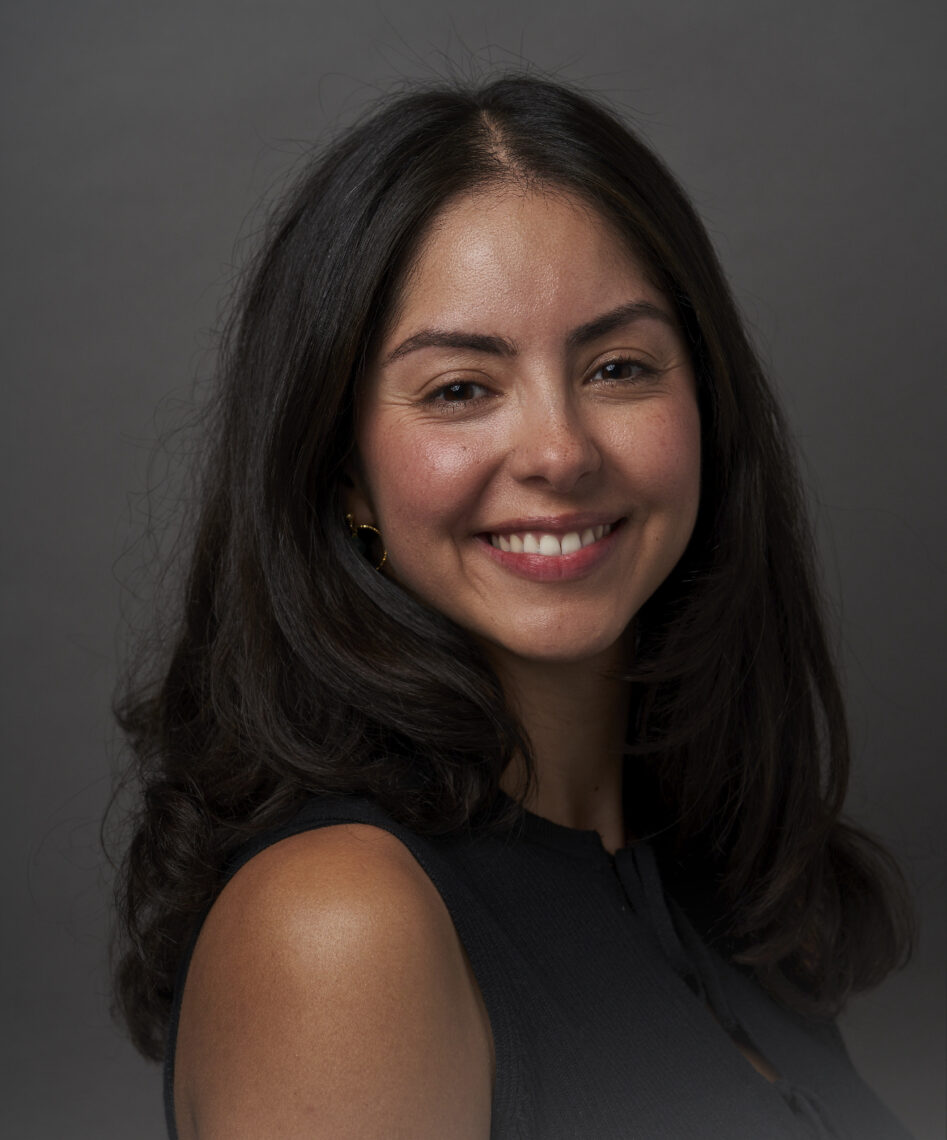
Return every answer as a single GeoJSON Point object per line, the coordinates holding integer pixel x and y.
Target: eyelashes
{"type": "Point", "coordinates": [637, 370]}
{"type": "Point", "coordinates": [458, 393]}
{"type": "Point", "coordinates": [620, 372]}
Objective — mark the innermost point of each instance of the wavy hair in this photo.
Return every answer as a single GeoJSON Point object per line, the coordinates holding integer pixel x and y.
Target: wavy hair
{"type": "Point", "coordinates": [293, 669]}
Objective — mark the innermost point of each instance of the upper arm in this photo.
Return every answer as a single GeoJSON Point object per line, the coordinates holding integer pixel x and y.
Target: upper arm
{"type": "Point", "coordinates": [329, 996]}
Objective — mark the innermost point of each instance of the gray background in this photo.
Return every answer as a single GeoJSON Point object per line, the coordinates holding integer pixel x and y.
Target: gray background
{"type": "Point", "coordinates": [138, 141]}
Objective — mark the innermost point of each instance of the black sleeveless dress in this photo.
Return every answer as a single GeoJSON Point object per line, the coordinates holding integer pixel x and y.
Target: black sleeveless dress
{"type": "Point", "coordinates": [611, 1018]}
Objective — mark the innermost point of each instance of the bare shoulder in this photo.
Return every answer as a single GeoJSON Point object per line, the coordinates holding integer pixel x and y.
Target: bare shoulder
{"type": "Point", "coordinates": [329, 996]}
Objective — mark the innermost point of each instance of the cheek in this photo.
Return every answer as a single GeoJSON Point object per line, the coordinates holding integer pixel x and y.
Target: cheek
{"type": "Point", "coordinates": [682, 450]}
{"type": "Point", "coordinates": [662, 457]}
{"type": "Point", "coordinates": [421, 479]}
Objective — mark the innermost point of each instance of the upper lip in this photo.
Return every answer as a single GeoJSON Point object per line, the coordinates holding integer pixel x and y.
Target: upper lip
{"type": "Point", "coordinates": [553, 524]}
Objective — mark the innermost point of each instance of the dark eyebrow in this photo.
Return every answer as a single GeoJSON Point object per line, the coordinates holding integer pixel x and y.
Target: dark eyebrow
{"type": "Point", "coordinates": [439, 338]}
{"type": "Point", "coordinates": [617, 319]}
{"type": "Point", "coordinates": [498, 346]}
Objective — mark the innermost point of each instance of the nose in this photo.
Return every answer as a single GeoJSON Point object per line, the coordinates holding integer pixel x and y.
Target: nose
{"type": "Point", "coordinates": [553, 444]}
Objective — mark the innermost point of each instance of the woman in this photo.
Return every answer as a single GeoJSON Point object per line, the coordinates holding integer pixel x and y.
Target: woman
{"type": "Point", "coordinates": [491, 786]}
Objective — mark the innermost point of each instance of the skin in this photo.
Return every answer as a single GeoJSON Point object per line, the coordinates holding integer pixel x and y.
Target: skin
{"type": "Point", "coordinates": [329, 994]}
{"type": "Point", "coordinates": [455, 441]}
{"type": "Point", "coordinates": [329, 998]}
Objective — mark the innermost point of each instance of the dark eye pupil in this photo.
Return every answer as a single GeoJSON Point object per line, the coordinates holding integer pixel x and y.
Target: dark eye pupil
{"type": "Point", "coordinates": [456, 391]}
{"type": "Point", "coordinates": [612, 370]}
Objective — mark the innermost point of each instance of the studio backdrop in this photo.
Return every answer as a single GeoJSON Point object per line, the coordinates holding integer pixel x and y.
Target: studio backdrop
{"type": "Point", "coordinates": [141, 145]}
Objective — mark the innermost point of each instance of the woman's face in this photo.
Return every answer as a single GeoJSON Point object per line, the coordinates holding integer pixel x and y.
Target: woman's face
{"type": "Point", "coordinates": [528, 438]}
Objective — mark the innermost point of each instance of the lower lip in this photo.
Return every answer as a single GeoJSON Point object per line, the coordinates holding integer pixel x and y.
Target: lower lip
{"type": "Point", "coordinates": [553, 567]}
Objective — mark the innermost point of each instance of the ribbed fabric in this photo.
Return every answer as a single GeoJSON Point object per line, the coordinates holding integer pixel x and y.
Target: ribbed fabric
{"type": "Point", "coordinates": [611, 1018]}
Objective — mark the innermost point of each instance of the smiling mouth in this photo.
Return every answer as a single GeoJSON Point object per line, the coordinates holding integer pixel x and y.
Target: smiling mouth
{"type": "Point", "coordinates": [551, 545]}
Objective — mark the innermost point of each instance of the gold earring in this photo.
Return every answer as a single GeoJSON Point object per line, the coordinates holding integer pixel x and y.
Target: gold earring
{"type": "Point", "coordinates": [355, 528]}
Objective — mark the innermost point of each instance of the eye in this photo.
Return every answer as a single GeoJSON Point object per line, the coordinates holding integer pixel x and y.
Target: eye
{"type": "Point", "coordinates": [622, 371]}
{"type": "Point", "coordinates": [460, 392]}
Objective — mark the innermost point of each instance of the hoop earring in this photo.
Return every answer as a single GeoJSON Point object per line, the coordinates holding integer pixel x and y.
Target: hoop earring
{"type": "Point", "coordinates": [356, 528]}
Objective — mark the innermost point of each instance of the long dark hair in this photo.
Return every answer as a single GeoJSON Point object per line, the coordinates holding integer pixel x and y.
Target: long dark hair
{"type": "Point", "coordinates": [295, 669]}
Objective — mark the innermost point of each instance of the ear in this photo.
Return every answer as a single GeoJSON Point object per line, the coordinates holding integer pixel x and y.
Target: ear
{"type": "Point", "coordinates": [355, 494]}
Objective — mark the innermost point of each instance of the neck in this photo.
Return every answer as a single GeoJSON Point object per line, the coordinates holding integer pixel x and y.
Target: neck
{"type": "Point", "coordinates": [575, 715]}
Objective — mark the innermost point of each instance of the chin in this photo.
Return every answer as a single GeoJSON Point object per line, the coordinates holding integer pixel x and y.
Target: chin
{"type": "Point", "coordinates": [551, 648]}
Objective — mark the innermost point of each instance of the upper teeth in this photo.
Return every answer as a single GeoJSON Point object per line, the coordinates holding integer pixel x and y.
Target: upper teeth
{"type": "Point", "coordinates": [537, 542]}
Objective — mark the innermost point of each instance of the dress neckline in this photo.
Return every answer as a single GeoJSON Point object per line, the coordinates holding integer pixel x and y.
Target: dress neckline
{"type": "Point", "coordinates": [583, 843]}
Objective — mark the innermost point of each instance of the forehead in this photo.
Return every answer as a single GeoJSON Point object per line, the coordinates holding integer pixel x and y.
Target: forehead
{"type": "Point", "coordinates": [518, 257]}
